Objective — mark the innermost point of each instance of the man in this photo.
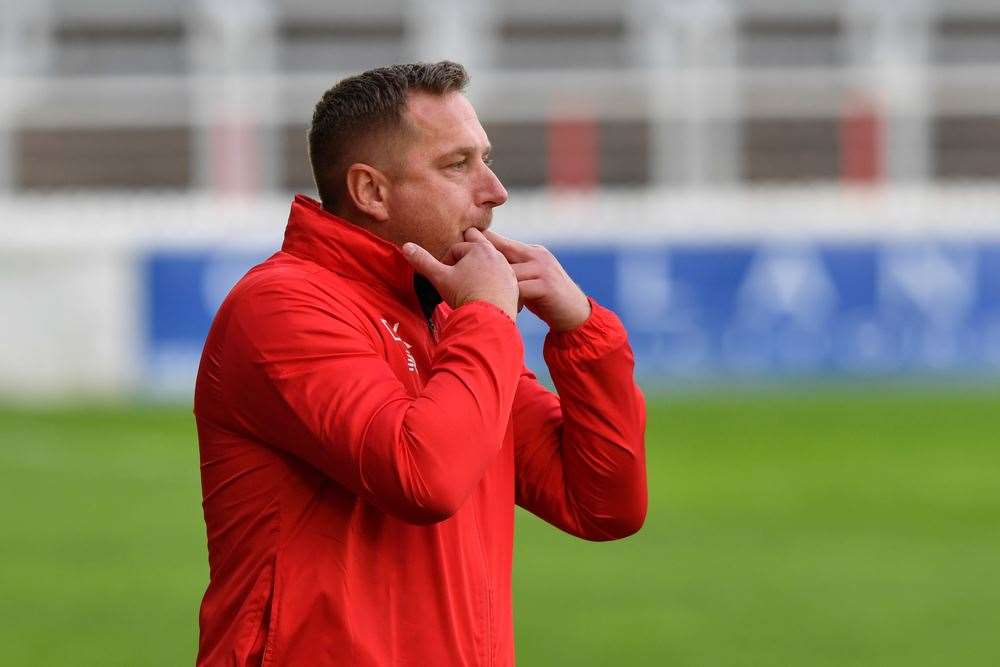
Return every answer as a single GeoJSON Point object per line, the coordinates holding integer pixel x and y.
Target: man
{"type": "Point", "coordinates": [362, 443]}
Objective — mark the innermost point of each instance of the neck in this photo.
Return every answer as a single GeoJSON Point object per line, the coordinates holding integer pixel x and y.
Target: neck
{"type": "Point", "coordinates": [366, 222]}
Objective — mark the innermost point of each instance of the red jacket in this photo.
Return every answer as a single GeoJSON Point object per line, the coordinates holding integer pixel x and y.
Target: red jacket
{"type": "Point", "coordinates": [360, 463]}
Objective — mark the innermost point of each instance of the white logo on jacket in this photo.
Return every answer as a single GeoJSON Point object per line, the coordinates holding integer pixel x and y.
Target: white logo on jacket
{"type": "Point", "coordinates": [411, 363]}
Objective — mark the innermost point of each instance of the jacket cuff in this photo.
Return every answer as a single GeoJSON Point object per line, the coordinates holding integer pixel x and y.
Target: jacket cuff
{"type": "Point", "coordinates": [483, 307]}
{"type": "Point", "coordinates": [600, 334]}
{"type": "Point", "coordinates": [482, 313]}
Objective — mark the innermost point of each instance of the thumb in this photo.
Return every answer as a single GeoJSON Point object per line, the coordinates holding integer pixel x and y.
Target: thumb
{"type": "Point", "coordinates": [423, 262]}
{"type": "Point", "coordinates": [473, 235]}
{"type": "Point", "coordinates": [514, 251]}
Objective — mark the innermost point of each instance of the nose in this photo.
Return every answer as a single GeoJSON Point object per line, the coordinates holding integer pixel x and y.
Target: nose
{"type": "Point", "coordinates": [492, 193]}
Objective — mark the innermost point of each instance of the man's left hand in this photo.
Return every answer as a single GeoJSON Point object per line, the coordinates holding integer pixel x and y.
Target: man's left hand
{"type": "Point", "coordinates": [545, 287]}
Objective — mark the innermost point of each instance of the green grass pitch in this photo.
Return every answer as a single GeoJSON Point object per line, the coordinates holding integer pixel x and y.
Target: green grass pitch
{"type": "Point", "coordinates": [787, 528]}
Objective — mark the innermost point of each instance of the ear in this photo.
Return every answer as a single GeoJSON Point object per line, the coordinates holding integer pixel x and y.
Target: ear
{"type": "Point", "coordinates": [367, 188]}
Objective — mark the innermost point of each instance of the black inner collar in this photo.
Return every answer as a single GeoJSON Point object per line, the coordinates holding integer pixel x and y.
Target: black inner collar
{"type": "Point", "coordinates": [426, 294]}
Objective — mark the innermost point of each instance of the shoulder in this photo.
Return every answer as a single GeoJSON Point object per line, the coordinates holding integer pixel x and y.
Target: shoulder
{"type": "Point", "coordinates": [287, 288]}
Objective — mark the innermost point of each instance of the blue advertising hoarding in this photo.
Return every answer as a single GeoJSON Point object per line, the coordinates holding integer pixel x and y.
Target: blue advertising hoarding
{"type": "Point", "coordinates": [695, 311]}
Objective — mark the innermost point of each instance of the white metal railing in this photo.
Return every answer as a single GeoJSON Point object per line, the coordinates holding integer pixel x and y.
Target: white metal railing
{"type": "Point", "coordinates": [128, 219]}
{"type": "Point", "coordinates": [722, 93]}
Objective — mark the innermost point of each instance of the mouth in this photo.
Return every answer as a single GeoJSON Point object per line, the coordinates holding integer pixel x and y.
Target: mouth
{"type": "Point", "coordinates": [483, 226]}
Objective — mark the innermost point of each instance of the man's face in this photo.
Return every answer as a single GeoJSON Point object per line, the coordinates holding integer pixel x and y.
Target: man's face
{"type": "Point", "coordinates": [443, 184]}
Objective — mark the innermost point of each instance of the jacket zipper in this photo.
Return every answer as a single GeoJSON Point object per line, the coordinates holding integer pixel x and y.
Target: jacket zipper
{"type": "Point", "coordinates": [489, 588]}
{"type": "Point", "coordinates": [482, 548]}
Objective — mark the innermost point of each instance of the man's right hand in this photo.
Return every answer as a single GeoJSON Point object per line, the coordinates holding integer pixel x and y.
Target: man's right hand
{"type": "Point", "coordinates": [480, 273]}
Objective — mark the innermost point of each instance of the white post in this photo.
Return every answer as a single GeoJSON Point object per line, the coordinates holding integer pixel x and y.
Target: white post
{"type": "Point", "coordinates": [890, 42]}
{"type": "Point", "coordinates": [234, 103]}
{"type": "Point", "coordinates": [656, 41]}
{"type": "Point", "coordinates": [458, 30]}
{"type": "Point", "coordinates": [10, 30]}
{"type": "Point", "coordinates": [690, 52]}
{"type": "Point", "coordinates": [25, 53]}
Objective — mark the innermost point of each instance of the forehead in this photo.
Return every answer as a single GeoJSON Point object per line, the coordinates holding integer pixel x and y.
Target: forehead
{"type": "Point", "coordinates": [442, 120]}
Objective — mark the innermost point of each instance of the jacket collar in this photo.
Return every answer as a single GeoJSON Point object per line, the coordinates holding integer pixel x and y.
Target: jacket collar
{"type": "Point", "coordinates": [346, 249]}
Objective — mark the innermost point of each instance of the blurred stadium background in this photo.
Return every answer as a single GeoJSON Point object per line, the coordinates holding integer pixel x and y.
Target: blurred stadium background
{"type": "Point", "coordinates": [793, 206]}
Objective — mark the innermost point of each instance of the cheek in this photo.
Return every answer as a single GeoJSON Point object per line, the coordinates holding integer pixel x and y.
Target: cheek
{"type": "Point", "coordinates": [428, 193]}
{"type": "Point", "coordinates": [445, 207]}
{"type": "Point", "coordinates": [436, 210]}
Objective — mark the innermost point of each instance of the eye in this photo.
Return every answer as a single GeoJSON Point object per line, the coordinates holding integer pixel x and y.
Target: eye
{"type": "Point", "coordinates": [488, 160]}
{"type": "Point", "coordinates": [460, 164]}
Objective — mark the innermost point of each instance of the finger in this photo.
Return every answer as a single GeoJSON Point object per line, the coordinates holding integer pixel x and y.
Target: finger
{"type": "Point", "coordinates": [529, 290]}
{"type": "Point", "coordinates": [457, 252]}
{"type": "Point", "coordinates": [514, 251]}
{"type": "Point", "coordinates": [473, 235]}
{"type": "Point", "coordinates": [525, 270]}
{"type": "Point", "coordinates": [424, 263]}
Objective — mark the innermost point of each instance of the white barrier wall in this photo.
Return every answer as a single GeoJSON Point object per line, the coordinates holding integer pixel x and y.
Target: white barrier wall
{"type": "Point", "coordinates": [69, 320]}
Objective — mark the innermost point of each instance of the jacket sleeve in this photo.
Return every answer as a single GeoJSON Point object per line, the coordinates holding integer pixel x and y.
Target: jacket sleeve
{"type": "Point", "coordinates": [580, 455]}
{"type": "Point", "coordinates": [310, 380]}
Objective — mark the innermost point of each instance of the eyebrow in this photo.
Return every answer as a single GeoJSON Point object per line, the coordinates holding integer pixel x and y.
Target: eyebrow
{"type": "Point", "coordinates": [468, 150]}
